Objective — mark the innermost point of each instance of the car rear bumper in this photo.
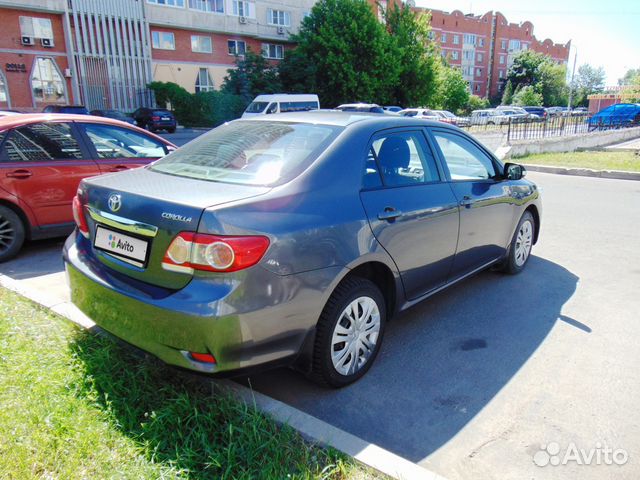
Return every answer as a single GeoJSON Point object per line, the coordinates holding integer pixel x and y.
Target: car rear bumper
{"type": "Point", "coordinates": [263, 319]}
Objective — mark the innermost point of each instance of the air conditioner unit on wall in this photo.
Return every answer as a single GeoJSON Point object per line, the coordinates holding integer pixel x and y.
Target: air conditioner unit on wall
{"type": "Point", "coordinates": [47, 42]}
{"type": "Point", "coordinates": [280, 30]}
{"type": "Point", "coordinates": [30, 41]}
{"type": "Point", "coordinates": [242, 19]}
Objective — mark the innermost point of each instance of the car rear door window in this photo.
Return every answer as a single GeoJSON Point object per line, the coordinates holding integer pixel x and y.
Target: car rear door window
{"type": "Point", "coordinates": [116, 142]}
{"type": "Point", "coordinates": [41, 142]}
{"type": "Point", "coordinates": [401, 158]}
{"type": "Point", "coordinates": [464, 159]}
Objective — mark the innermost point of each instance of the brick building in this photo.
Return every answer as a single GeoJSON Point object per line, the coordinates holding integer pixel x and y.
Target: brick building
{"type": "Point", "coordinates": [103, 53]}
{"type": "Point", "coordinates": [484, 46]}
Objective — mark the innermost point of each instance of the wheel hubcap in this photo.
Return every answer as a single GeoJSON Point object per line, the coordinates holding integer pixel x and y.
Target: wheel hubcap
{"type": "Point", "coordinates": [7, 234]}
{"type": "Point", "coordinates": [523, 243]}
{"type": "Point", "coordinates": [355, 336]}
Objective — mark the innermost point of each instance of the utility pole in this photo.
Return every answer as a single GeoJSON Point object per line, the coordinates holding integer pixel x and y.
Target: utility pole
{"type": "Point", "coordinates": [573, 74]}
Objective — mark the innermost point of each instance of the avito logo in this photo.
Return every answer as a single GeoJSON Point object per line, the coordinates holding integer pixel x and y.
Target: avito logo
{"type": "Point", "coordinates": [115, 242]}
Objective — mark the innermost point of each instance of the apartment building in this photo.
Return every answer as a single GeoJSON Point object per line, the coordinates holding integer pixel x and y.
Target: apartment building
{"type": "Point", "coordinates": [484, 46]}
{"type": "Point", "coordinates": [103, 53]}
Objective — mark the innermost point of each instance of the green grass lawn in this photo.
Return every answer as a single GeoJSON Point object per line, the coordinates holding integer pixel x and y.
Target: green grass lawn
{"type": "Point", "coordinates": [75, 405]}
{"type": "Point", "coordinates": [627, 161]}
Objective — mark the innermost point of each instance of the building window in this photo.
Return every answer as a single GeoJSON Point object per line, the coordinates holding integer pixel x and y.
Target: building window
{"type": "Point", "coordinates": [279, 17]}
{"type": "Point", "coordinates": [47, 84]}
{"type": "Point", "coordinates": [467, 54]}
{"type": "Point", "coordinates": [271, 50]}
{"type": "Point", "coordinates": [203, 81]}
{"type": "Point", "coordinates": [443, 37]}
{"type": "Point", "coordinates": [501, 60]}
{"type": "Point", "coordinates": [163, 40]}
{"type": "Point", "coordinates": [456, 39]}
{"type": "Point", "coordinates": [503, 44]}
{"type": "Point", "coordinates": [478, 72]}
{"type": "Point", "coordinates": [454, 55]}
{"type": "Point", "coordinates": [514, 45]}
{"type": "Point", "coordinates": [237, 47]}
{"type": "Point", "coordinates": [382, 10]}
{"type": "Point", "coordinates": [481, 42]}
{"type": "Point", "coordinates": [201, 44]}
{"type": "Point", "coordinates": [214, 6]}
{"type": "Point", "coordinates": [168, 3]}
{"type": "Point", "coordinates": [500, 73]}
{"type": "Point", "coordinates": [36, 27]}
{"type": "Point", "coordinates": [241, 8]}
{"type": "Point", "coordinates": [3, 88]}
{"type": "Point", "coordinates": [469, 39]}
{"type": "Point", "coordinates": [524, 46]}
{"type": "Point", "coordinates": [480, 57]}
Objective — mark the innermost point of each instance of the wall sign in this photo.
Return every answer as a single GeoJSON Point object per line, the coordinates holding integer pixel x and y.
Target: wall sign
{"type": "Point", "coordinates": [16, 67]}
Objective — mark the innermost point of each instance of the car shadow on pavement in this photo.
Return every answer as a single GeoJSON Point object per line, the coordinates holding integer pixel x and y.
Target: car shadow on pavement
{"type": "Point", "coordinates": [37, 258]}
{"type": "Point", "coordinates": [441, 362]}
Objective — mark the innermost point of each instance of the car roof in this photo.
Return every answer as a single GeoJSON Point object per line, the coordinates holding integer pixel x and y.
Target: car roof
{"type": "Point", "coordinates": [12, 121]}
{"type": "Point", "coordinates": [344, 119]}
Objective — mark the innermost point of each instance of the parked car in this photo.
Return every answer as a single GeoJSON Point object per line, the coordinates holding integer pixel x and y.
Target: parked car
{"type": "Point", "coordinates": [6, 113]}
{"type": "Point", "coordinates": [42, 160]}
{"type": "Point", "coordinates": [580, 111]}
{"type": "Point", "coordinates": [448, 117]}
{"type": "Point", "coordinates": [539, 112]}
{"type": "Point", "coordinates": [115, 114]}
{"type": "Point", "coordinates": [512, 114]}
{"type": "Point", "coordinates": [361, 107]}
{"type": "Point", "coordinates": [73, 109]}
{"type": "Point", "coordinates": [557, 111]}
{"type": "Point", "coordinates": [281, 103]}
{"type": "Point", "coordinates": [484, 117]}
{"type": "Point", "coordinates": [291, 239]}
{"type": "Point", "coordinates": [616, 116]}
{"type": "Point", "coordinates": [154, 119]}
{"type": "Point", "coordinates": [392, 108]}
{"type": "Point", "coordinates": [423, 113]}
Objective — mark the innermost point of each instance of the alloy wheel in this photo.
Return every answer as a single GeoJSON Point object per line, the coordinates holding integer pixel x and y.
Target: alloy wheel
{"type": "Point", "coordinates": [523, 243]}
{"type": "Point", "coordinates": [7, 234]}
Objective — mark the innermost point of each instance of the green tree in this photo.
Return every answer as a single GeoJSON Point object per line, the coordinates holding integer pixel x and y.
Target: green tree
{"type": "Point", "coordinates": [629, 76]}
{"type": "Point", "coordinates": [527, 95]}
{"type": "Point", "coordinates": [253, 76]}
{"type": "Point", "coordinates": [541, 72]}
{"type": "Point", "coordinates": [297, 72]}
{"type": "Point", "coordinates": [507, 93]}
{"type": "Point", "coordinates": [452, 90]}
{"type": "Point", "coordinates": [476, 103]}
{"type": "Point", "coordinates": [587, 81]}
{"type": "Point", "coordinates": [355, 58]}
{"type": "Point", "coordinates": [525, 68]}
{"type": "Point", "coordinates": [417, 56]}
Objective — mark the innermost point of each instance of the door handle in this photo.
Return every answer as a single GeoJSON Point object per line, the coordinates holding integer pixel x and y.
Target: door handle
{"type": "Point", "coordinates": [19, 174]}
{"type": "Point", "coordinates": [389, 213]}
{"type": "Point", "coordinates": [118, 168]}
{"type": "Point", "coordinates": [466, 201]}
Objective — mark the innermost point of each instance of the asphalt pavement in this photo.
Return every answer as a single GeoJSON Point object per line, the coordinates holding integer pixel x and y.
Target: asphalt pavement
{"type": "Point", "coordinates": [485, 377]}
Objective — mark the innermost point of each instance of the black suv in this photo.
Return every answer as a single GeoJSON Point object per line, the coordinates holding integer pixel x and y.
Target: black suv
{"type": "Point", "coordinates": [155, 119]}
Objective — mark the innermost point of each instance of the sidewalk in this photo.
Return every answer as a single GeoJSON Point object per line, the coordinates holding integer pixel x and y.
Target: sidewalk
{"type": "Point", "coordinates": [630, 145]}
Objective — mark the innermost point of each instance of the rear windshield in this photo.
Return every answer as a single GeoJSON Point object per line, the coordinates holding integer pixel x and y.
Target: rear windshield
{"type": "Point", "coordinates": [77, 110]}
{"type": "Point", "coordinates": [298, 106]}
{"type": "Point", "coordinates": [162, 112]}
{"type": "Point", "coordinates": [250, 152]}
{"type": "Point", "coordinates": [256, 107]}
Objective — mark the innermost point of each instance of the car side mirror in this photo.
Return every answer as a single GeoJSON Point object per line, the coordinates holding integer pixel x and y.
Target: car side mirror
{"type": "Point", "coordinates": [513, 171]}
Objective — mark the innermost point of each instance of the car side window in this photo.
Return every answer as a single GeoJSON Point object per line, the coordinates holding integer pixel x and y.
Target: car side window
{"type": "Point", "coordinates": [400, 158]}
{"type": "Point", "coordinates": [116, 142]}
{"type": "Point", "coordinates": [465, 160]}
{"type": "Point", "coordinates": [41, 142]}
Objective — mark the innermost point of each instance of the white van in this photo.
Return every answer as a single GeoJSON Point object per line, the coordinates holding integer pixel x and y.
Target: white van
{"type": "Point", "coordinates": [280, 103]}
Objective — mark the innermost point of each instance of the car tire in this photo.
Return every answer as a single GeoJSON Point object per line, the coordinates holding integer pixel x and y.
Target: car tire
{"type": "Point", "coordinates": [520, 246]}
{"type": "Point", "coordinates": [362, 336]}
{"type": "Point", "coordinates": [171, 130]}
{"type": "Point", "coordinates": [12, 233]}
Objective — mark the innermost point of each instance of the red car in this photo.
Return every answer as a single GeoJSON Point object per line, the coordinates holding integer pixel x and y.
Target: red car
{"type": "Point", "coordinates": [43, 157]}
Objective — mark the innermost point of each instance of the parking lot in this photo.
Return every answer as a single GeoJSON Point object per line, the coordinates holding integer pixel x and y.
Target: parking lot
{"type": "Point", "coordinates": [473, 382]}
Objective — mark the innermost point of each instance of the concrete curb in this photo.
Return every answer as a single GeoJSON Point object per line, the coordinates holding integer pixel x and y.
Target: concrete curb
{"type": "Point", "coordinates": [311, 428]}
{"type": "Point", "coordinates": [584, 172]}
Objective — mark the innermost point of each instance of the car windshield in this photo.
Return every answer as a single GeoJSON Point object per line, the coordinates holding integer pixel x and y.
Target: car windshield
{"type": "Point", "coordinates": [250, 152]}
{"type": "Point", "coordinates": [162, 112]}
{"type": "Point", "coordinates": [116, 114]}
{"type": "Point", "coordinates": [78, 110]}
{"type": "Point", "coordinates": [256, 107]}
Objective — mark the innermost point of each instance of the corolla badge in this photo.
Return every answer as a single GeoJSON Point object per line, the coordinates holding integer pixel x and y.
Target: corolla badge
{"type": "Point", "coordinates": [176, 217]}
{"type": "Point", "coordinates": [114, 202]}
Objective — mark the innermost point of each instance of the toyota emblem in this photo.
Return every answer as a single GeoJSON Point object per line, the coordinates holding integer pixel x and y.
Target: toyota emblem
{"type": "Point", "coordinates": [114, 202]}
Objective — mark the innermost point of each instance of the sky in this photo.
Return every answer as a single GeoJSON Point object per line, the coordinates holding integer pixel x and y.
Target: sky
{"type": "Point", "coordinates": [603, 33]}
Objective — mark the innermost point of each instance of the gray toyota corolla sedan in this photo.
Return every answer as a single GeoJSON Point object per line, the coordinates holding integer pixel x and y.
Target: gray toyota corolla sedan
{"type": "Point", "coordinates": [292, 239]}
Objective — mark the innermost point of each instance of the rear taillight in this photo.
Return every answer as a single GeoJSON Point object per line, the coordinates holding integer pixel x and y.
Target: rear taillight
{"type": "Point", "coordinates": [155, 119]}
{"type": "Point", "coordinates": [214, 253]}
{"type": "Point", "coordinates": [78, 216]}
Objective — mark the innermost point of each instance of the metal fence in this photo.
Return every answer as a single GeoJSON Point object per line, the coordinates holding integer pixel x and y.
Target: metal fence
{"type": "Point", "coordinates": [551, 126]}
